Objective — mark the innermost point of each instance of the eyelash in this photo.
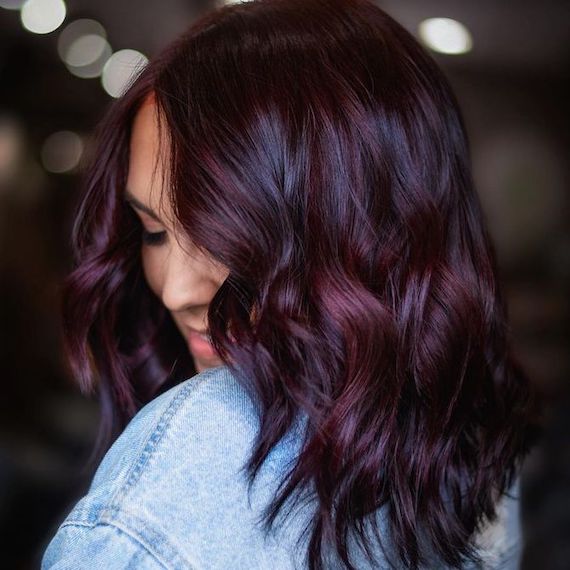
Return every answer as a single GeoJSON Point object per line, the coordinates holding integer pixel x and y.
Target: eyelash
{"type": "Point", "coordinates": [153, 238]}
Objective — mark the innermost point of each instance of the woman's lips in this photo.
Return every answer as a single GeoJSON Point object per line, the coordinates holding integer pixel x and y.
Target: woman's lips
{"type": "Point", "coordinates": [199, 346]}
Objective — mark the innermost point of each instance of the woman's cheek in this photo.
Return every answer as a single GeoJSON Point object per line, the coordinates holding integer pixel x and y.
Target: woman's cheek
{"type": "Point", "coordinates": [151, 263]}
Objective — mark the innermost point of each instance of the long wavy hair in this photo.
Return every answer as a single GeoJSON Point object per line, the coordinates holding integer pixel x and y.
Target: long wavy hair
{"type": "Point", "coordinates": [317, 151]}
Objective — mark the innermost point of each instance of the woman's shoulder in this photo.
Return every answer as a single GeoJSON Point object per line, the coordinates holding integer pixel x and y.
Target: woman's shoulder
{"type": "Point", "coordinates": [195, 433]}
{"type": "Point", "coordinates": [172, 492]}
{"type": "Point", "coordinates": [174, 479]}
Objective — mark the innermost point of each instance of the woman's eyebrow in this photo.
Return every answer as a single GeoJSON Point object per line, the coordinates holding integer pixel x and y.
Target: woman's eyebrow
{"type": "Point", "coordinates": [139, 205]}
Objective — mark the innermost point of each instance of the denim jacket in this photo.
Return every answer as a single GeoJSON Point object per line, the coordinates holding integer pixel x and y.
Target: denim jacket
{"type": "Point", "coordinates": [170, 494]}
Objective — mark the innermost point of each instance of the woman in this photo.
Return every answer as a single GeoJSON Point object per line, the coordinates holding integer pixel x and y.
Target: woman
{"type": "Point", "coordinates": [292, 178]}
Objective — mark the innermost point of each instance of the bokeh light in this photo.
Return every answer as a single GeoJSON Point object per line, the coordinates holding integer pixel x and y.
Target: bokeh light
{"type": "Point", "coordinates": [61, 151]}
{"type": "Point", "coordinates": [11, 147]}
{"type": "Point", "coordinates": [445, 35]}
{"type": "Point", "coordinates": [42, 16]}
{"type": "Point", "coordinates": [121, 68]}
{"type": "Point", "coordinates": [83, 47]}
{"type": "Point", "coordinates": [11, 4]}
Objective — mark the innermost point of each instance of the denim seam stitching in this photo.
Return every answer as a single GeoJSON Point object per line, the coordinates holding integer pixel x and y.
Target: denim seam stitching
{"type": "Point", "coordinates": [133, 535]}
{"type": "Point", "coordinates": [154, 439]}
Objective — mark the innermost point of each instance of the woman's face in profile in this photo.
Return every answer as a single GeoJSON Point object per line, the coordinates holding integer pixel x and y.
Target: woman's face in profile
{"type": "Point", "coordinates": [177, 272]}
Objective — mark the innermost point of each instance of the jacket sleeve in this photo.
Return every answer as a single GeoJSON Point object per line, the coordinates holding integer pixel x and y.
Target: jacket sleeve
{"type": "Point", "coordinates": [80, 546]}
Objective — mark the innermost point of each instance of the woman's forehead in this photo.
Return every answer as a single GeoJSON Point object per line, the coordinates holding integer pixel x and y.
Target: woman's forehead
{"type": "Point", "coordinates": [147, 174]}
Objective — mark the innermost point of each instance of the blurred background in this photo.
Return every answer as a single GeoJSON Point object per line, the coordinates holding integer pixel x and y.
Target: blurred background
{"type": "Point", "coordinates": [62, 65]}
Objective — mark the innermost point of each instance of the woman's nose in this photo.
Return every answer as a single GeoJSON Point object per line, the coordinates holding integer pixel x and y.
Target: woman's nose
{"type": "Point", "coordinates": [180, 283]}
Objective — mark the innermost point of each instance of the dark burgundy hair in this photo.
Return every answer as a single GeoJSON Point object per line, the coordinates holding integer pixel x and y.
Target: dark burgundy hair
{"type": "Point", "coordinates": [318, 152]}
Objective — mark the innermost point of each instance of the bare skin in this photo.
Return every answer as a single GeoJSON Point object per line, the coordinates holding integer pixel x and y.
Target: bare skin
{"type": "Point", "coordinates": [176, 271]}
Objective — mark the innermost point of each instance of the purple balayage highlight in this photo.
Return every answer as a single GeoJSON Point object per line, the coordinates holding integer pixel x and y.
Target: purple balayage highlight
{"type": "Point", "coordinates": [317, 151]}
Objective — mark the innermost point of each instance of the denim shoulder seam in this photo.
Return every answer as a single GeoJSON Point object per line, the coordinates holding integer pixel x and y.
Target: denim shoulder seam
{"type": "Point", "coordinates": [154, 438]}
{"type": "Point", "coordinates": [137, 538]}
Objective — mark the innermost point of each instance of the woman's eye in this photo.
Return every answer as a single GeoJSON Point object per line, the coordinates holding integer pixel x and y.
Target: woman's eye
{"type": "Point", "coordinates": [153, 238]}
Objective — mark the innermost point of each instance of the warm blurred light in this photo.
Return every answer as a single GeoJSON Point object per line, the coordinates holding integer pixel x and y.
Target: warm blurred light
{"type": "Point", "coordinates": [445, 35]}
{"type": "Point", "coordinates": [83, 47]}
{"type": "Point", "coordinates": [61, 151]}
{"type": "Point", "coordinates": [11, 4]}
{"type": "Point", "coordinates": [85, 50]}
{"type": "Point", "coordinates": [74, 32]}
{"type": "Point", "coordinates": [11, 147]}
{"type": "Point", "coordinates": [42, 16]}
{"type": "Point", "coordinates": [94, 69]}
{"type": "Point", "coordinates": [120, 68]}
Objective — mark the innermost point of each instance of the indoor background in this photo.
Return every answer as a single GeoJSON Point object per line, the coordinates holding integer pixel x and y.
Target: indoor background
{"type": "Point", "coordinates": [61, 66]}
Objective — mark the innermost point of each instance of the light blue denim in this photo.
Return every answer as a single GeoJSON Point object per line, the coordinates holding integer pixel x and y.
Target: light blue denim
{"type": "Point", "coordinates": [169, 494]}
